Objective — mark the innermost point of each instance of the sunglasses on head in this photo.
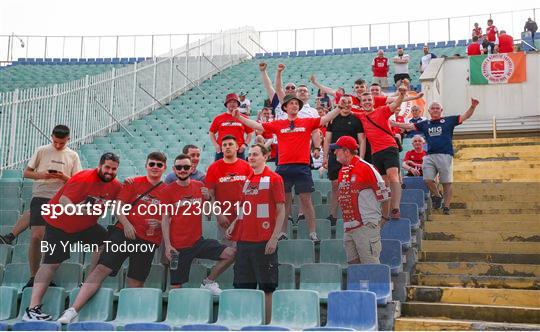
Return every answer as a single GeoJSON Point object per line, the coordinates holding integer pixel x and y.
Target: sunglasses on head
{"type": "Point", "coordinates": [182, 167]}
{"type": "Point", "coordinates": [152, 164]}
{"type": "Point", "coordinates": [290, 87]}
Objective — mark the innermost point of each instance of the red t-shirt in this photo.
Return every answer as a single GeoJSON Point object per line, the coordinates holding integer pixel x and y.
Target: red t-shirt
{"type": "Point", "coordinates": [227, 181]}
{"type": "Point", "coordinates": [506, 44]}
{"type": "Point", "coordinates": [477, 32]}
{"type": "Point", "coordinates": [261, 193]}
{"type": "Point", "coordinates": [379, 66]}
{"type": "Point", "coordinates": [415, 157]}
{"type": "Point", "coordinates": [378, 139]}
{"type": "Point", "coordinates": [491, 33]}
{"type": "Point", "coordinates": [357, 106]}
{"type": "Point", "coordinates": [474, 49]}
{"type": "Point", "coordinates": [186, 222]}
{"type": "Point", "coordinates": [294, 144]}
{"type": "Point", "coordinates": [129, 193]}
{"type": "Point", "coordinates": [397, 130]}
{"type": "Point", "coordinates": [226, 124]}
{"type": "Point", "coordinates": [81, 187]}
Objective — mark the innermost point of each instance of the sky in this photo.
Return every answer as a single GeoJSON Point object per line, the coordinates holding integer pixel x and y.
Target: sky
{"type": "Point", "coordinates": [100, 17]}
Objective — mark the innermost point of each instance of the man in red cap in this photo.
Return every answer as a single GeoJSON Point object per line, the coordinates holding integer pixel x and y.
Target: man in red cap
{"type": "Point", "coordinates": [225, 124]}
{"type": "Point", "coordinates": [361, 190]}
{"type": "Point", "coordinates": [293, 137]}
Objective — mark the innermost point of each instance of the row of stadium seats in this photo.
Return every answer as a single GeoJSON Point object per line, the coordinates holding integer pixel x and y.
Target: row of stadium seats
{"type": "Point", "coordinates": [237, 308]}
{"type": "Point", "coordinates": [74, 61]}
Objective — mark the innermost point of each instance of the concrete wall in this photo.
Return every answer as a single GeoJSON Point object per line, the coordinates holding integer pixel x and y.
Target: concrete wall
{"type": "Point", "coordinates": [445, 81]}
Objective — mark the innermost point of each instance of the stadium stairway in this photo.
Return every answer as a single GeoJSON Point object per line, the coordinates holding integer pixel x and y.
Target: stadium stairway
{"type": "Point", "coordinates": [479, 268]}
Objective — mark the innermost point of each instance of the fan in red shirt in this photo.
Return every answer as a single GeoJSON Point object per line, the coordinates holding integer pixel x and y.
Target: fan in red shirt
{"type": "Point", "coordinates": [257, 229]}
{"type": "Point", "coordinates": [380, 68]}
{"type": "Point", "coordinates": [293, 136]}
{"type": "Point", "coordinates": [225, 179]}
{"type": "Point", "coordinates": [384, 149]}
{"type": "Point", "coordinates": [182, 229]}
{"type": "Point", "coordinates": [491, 36]}
{"type": "Point", "coordinates": [506, 43]}
{"type": "Point", "coordinates": [225, 124]}
{"type": "Point", "coordinates": [412, 162]}
{"type": "Point", "coordinates": [474, 47]}
{"type": "Point", "coordinates": [140, 227]}
{"type": "Point", "coordinates": [477, 31]}
{"type": "Point", "coordinates": [90, 192]}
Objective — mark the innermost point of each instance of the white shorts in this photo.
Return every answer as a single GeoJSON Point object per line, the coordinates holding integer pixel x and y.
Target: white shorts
{"type": "Point", "coordinates": [438, 163]}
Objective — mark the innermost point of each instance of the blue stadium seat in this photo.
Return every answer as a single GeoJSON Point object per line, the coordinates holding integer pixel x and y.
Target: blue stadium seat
{"type": "Point", "coordinates": [203, 327]}
{"type": "Point", "coordinates": [391, 48]}
{"type": "Point", "coordinates": [142, 59]}
{"type": "Point", "coordinates": [415, 196]}
{"type": "Point", "coordinates": [451, 43]}
{"type": "Point", "coordinates": [410, 211]}
{"type": "Point", "coordinates": [415, 182]}
{"type": "Point", "coordinates": [124, 61]}
{"type": "Point", "coordinates": [134, 60]}
{"type": "Point", "coordinates": [56, 61]}
{"type": "Point", "coordinates": [258, 55]}
{"type": "Point", "coordinates": [264, 328]}
{"type": "Point", "coordinates": [275, 55]}
{"type": "Point", "coordinates": [324, 328]}
{"type": "Point", "coordinates": [107, 60]}
{"type": "Point", "coordinates": [90, 326]}
{"type": "Point", "coordinates": [284, 54]}
{"type": "Point", "coordinates": [338, 51]}
{"type": "Point", "coordinates": [147, 327]}
{"type": "Point", "coordinates": [410, 47]}
{"type": "Point", "coordinates": [352, 309]}
{"type": "Point", "coordinates": [431, 44]}
{"type": "Point", "coordinates": [398, 230]}
{"type": "Point", "coordinates": [36, 326]}
{"type": "Point", "coordinates": [384, 48]}
{"type": "Point", "coordinates": [3, 326]}
{"type": "Point", "coordinates": [302, 53]}
{"type": "Point", "coordinates": [391, 255]}
{"type": "Point", "coordinates": [99, 61]}
{"type": "Point", "coordinates": [355, 50]}
{"type": "Point", "coordinates": [420, 45]}
{"type": "Point", "coordinates": [378, 276]}
{"type": "Point", "coordinates": [400, 46]}
{"type": "Point", "coordinates": [319, 52]}
{"type": "Point", "coordinates": [293, 54]}
{"type": "Point", "coordinates": [310, 53]}
{"type": "Point", "coordinates": [346, 51]}
{"type": "Point", "coordinates": [440, 44]}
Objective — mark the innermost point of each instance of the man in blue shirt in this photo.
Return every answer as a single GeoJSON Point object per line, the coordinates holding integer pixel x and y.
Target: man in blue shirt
{"type": "Point", "coordinates": [439, 132]}
{"type": "Point", "coordinates": [195, 154]}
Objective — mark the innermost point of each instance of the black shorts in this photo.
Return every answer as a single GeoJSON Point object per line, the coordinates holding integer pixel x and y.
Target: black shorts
{"type": "Point", "coordinates": [252, 267]}
{"type": "Point", "coordinates": [399, 77]}
{"type": "Point", "coordinates": [297, 176]}
{"type": "Point", "coordinates": [35, 211]}
{"type": "Point", "coordinates": [140, 259]}
{"type": "Point", "coordinates": [203, 248]}
{"type": "Point", "coordinates": [93, 236]}
{"type": "Point", "coordinates": [386, 159]}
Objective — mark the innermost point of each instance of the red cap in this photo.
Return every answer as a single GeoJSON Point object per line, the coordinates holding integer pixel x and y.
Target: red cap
{"type": "Point", "coordinates": [345, 142]}
{"type": "Point", "coordinates": [231, 96]}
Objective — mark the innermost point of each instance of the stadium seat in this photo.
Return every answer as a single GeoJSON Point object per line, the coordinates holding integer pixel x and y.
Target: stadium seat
{"type": "Point", "coordinates": [8, 298]}
{"type": "Point", "coordinates": [378, 276]}
{"type": "Point", "coordinates": [226, 278]}
{"type": "Point", "coordinates": [410, 211]}
{"type": "Point", "coordinates": [16, 275]}
{"type": "Point", "coordinates": [5, 254]}
{"type": "Point", "coordinates": [54, 301]}
{"type": "Point", "coordinates": [287, 276]}
{"type": "Point", "coordinates": [69, 276]}
{"type": "Point", "coordinates": [199, 310]}
{"type": "Point", "coordinates": [115, 283]}
{"type": "Point", "coordinates": [36, 326]}
{"type": "Point", "coordinates": [296, 252]}
{"type": "Point", "coordinates": [324, 230]}
{"type": "Point", "coordinates": [20, 253]}
{"type": "Point", "coordinates": [11, 174]}
{"type": "Point", "coordinates": [210, 230]}
{"type": "Point", "coordinates": [264, 328]}
{"type": "Point", "coordinates": [241, 307]}
{"type": "Point", "coordinates": [197, 273]}
{"type": "Point", "coordinates": [11, 204]}
{"type": "Point", "coordinates": [416, 196]}
{"type": "Point", "coordinates": [320, 277]}
{"type": "Point", "coordinates": [339, 229]}
{"type": "Point", "coordinates": [352, 309]}
{"type": "Point", "coordinates": [324, 328]}
{"type": "Point", "coordinates": [138, 304]}
{"type": "Point", "coordinates": [296, 309]}
{"type": "Point", "coordinates": [147, 327]}
{"type": "Point", "coordinates": [391, 255]}
{"type": "Point", "coordinates": [203, 327]}
{"type": "Point", "coordinates": [98, 308]}
{"type": "Point", "coordinates": [415, 182]}
{"type": "Point", "coordinates": [398, 230]}
{"type": "Point", "coordinates": [156, 278]}
{"type": "Point", "coordinates": [90, 326]}
{"type": "Point", "coordinates": [333, 251]}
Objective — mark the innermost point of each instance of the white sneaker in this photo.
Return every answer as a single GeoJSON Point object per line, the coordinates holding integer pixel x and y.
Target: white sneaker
{"type": "Point", "coordinates": [313, 237]}
{"type": "Point", "coordinates": [33, 314]}
{"type": "Point", "coordinates": [69, 316]}
{"type": "Point", "coordinates": [212, 286]}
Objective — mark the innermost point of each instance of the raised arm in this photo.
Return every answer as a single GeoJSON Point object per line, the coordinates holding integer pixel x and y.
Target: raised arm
{"type": "Point", "coordinates": [468, 113]}
{"type": "Point", "coordinates": [329, 116]}
{"type": "Point", "coordinates": [394, 106]}
{"type": "Point", "coordinates": [325, 89]}
{"type": "Point", "coordinates": [270, 92]}
{"type": "Point", "coordinates": [406, 126]}
{"type": "Point", "coordinates": [247, 121]}
{"type": "Point", "coordinates": [279, 82]}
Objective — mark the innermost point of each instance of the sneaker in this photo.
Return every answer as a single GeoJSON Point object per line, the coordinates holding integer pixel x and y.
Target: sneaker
{"type": "Point", "coordinates": [7, 239]}
{"type": "Point", "coordinates": [436, 201]}
{"type": "Point", "coordinates": [212, 286]}
{"type": "Point", "coordinates": [29, 283]}
{"type": "Point", "coordinates": [333, 220]}
{"type": "Point", "coordinates": [69, 316]}
{"type": "Point", "coordinates": [283, 236]}
{"type": "Point", "coordinates": [314, 237]}
{"type": "Point", "coordinates": [301, 217]}
{"type": "Point", "coordinates": [394, 214]}
{"type": "Point", "coordinates": [33, 314]}
{"type": "Point", "coordinates": [446, 211]}
{"type": "Point", "coordinates": [292, 221]}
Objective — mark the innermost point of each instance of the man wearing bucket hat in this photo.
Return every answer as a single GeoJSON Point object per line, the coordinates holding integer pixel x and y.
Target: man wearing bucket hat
{"type": "Point", "coordinates": [225, 124]}
{"type": "Point", "coordinates": [293, 137]}
{"type": "Point", "coordinates": [361, 190]}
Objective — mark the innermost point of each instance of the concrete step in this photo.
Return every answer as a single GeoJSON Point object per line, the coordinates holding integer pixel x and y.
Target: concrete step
{"type": "Point", "coordinates": [479, 166]}
{"type": "Point", "coordinates": [433, 324]}
{"type": "Point", "coordinates": [478, 269]}
{"type": "Point", "coordinates": [462, 197]}
{"type": "Point", "coordinates": [466, 280]}
{"type": "Point", "coordinates": [513, 141]}
{"type": "Point", "coordinates": [486, 235]}
{"type": "Point", "coordinates": [498, 152]}
{"type": "Point", "coordinates": [512, 189]}
{"type": "Point", "coordinates": [489, 206]}
{"type": "Point", "coordinates": [475, 225]}
{"type": "Point", "coordinates": [509, 314]}
{"type": "Point", "coordinates": [497, 211]}
{"type": "Point", "coordinates": [484, 296]}
{"type": "Point", "coordinates": [481, 247]}
{"type": "Point", "coordinates": [502, 258]}
{"type": "Point", "coordinates": [517, 175]}
{"type": "Point", "coordinates": [437, 216]}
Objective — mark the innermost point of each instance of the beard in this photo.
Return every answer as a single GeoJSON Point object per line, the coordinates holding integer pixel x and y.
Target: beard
{"type": "Point", "coordinates": [105, 178]}
{"type": "Point", "coordinates": [183, 178]}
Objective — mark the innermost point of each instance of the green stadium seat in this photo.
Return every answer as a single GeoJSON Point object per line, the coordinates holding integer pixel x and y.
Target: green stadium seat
{"type": "Point", "coordinates": [138, 304]}
{"type": "Point", "coordinates": [8, 218]}
{"type": "Point", "coordinates": [241, 307]}
{"type": "Point", "coordinates": [199, 310]}
{"type": "Point", "coordinates": [69, 276]}
{"type": "Point", "coordinates": [98, 308]}
{"type": "Point", "coordinates": [11, 204]}
{"type": "Point", "coordinates": [324, 230]}
{"type": "Point", "coordinates": [156, 278]}
{"type": "Point", "coordinates": [297, 309]}
{"type": "Point", "coordinates": [8, 298]}
{"type": "Point", "coordinates": [12, 174]}
{"type": "Point", "coordinates": [333, 251]}
{"type": "Point", "coordinates": [115, 283]}
{"type": "Point", "coordinates": [20, 253]}
{"type": "Point", "coordinates": [16, 275]}
{"type": "Point", "coordinates": [226, 279]}
{"type": "Point", "coordinates": [5, 254]}
{"type": "Point", "coordinates": [287, 276]}
{"type": "Point", "coordinates": [54, 301]}
{"type": "Point", "coordinates": [320, 277]}
{"type": "Point", "coordinates": [197, 273]}
{"type": "Point", "coordinates": [296, 252]}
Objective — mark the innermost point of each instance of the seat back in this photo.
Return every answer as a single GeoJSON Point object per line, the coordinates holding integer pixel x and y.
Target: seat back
{"type": "Point", "coordinates": [296, 252]}
{"type": "Point", "coordinates": [241, 307]}
{"type": "Point", "coordinates": [352, 309]}
{"type": "Point", "coordinates": [199, 310]}
{"type": "Point", "coordinates": [8, 298]}
{"type": "Point", "coordinates": [333, 251]}
{"type": "Point", "coordinates": [378, 276]}
{"type": "Point", "coordinates": [139, 304]}
{"type": "Point", "coordinates": [398, 230]}
{"type": "Point", "coordinates": [391, 255]}
{"type": "Point", "coordinates": [98, 308]}
{"type": "Point", "coordinates": [287, 276]}
{"type": "Point", "coordinates": [54, 301]}
{"type": "Point", "coordinates": [320, 277]}
{"type": "Point", "coordinates": [297, 309]}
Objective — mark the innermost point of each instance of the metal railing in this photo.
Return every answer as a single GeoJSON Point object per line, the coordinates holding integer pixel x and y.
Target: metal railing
{"type": "Point", "coordinates": [98, 104]}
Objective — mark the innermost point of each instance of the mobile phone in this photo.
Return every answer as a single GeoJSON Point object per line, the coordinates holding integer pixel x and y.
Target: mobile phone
{"type": "Point", "coordinates": [52, 171]}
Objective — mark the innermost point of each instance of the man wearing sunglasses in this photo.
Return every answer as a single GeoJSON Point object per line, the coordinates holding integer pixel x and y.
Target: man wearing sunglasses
{"type": "Point", "coordinates": [293, 137]}
{"type": "Point", "coordinates": [194, 152]}
{"type": "Point", "coordinates": [137, 227]}
{"type": "Point", "coordinates": [182, 229]}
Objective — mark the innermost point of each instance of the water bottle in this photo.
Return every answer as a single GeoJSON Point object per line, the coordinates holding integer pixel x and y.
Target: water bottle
{"type": "Point", "coordinates": [174, 261]}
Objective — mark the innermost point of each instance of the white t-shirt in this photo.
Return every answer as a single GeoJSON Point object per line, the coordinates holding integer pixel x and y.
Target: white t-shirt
{"type": "Point", "coordinates": [244, 105]}
{"type": "Point", "coordinates": [425, 61]}
{"type": "Point", "coordinates": [401, 68]}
